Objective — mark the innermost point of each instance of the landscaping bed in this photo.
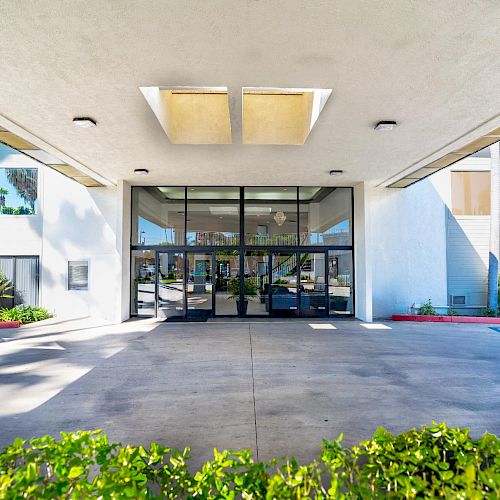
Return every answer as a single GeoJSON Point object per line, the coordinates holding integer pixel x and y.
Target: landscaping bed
{"type": "Point", "coordinates": [436, 461]}
{"type": "Point", "coordinates": [446, 319]}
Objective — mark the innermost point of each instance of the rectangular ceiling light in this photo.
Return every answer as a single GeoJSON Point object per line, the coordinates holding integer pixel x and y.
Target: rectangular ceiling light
{"type": "Point", "coordinates": [191, 115]}
{"type": "Point", "coordinates": [227, 210]}
{"type": "Point", "coordinates": [282, 116]}
{"type": "Point", "coordinates": [448, 159]}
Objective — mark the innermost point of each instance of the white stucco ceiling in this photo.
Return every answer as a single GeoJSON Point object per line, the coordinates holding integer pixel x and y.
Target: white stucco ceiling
{"type": "Point", "coordinates": [433, 66]}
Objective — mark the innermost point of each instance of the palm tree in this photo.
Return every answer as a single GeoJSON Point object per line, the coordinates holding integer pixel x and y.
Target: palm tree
{"type": "Point", "coordinates": [3, 193]}
{"type": "Point", "coordinates": [5, 286]}
{"type": "Point", "coordinates": [24, 181]}
{"type": "Point", "coordinates": [494, 227]}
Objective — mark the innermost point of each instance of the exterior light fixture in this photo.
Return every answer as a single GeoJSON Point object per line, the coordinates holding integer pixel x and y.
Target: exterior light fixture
{"type": "Point", "coordinates": [385, 125]}
{"type": "Point", "coordinates": [84, 122]}
{"type": "Point", "coordinates": [336, 172]}
{"type": "Point", "coordinates": [141, 171]}
{"type": "Point", "coordinates": [280, 218]}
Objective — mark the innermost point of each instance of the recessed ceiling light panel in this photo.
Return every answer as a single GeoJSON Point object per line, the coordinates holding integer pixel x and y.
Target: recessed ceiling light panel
{"type": "Point", "coordinates": [190, 115]}
{"type": "Point", "coordinates": [283, 116]}
{"type": "Point", "coordinates": [141, 171]}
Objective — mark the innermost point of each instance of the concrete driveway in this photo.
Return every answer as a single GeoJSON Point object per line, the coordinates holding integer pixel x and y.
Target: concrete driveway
{"type": "Point", "coordinates": [277, 387]}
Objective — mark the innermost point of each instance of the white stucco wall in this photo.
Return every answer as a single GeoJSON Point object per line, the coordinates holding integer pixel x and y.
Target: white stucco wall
{"type": "Point", "coordinates": [72, 223]}
{"type": "Point", "coordinates": [408, 246]}
{"type": "Point", "coordinates": [80, 224]}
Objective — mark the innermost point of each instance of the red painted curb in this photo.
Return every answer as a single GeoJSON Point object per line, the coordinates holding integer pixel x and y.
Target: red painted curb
{"type": "Point", "coordinates": [445, 319]}
{"type": "Point", "coordinates": [9, 324]}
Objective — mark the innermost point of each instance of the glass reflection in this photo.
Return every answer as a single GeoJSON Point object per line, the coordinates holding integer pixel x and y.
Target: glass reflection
{"type": "Point", "coordinates": [325, 216]}
{"type": "Point", "coordinates": [143, 277]}
{"type": "Point", "coordinates": [271, 216]}
{"type": "Point", "coordinates": [158, 215]}
{"type": "Point", "coordinates": [213, 216]}
{"type": "Point", "coordinates": [340, 284]}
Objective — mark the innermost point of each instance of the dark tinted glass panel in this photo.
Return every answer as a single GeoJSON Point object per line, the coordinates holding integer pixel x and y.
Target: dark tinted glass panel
{"type": "Point", "coordinates": [257, 282]}
{"type": "Point", "coordinates": [199, 284]}
{"type": "Point", "coordinates": [227, 282]}
{"type": "Point", "coordinates": [213, 216]}
{"type": "Point", "coordinates": [143, 278]}
{"type": "Point", "coordinates": [340, 282]}
{"type": "Point", "coordinates": [271, 216]}
{"type": "Point", "coordinates": [158, 216]}
{"type": "Point", "coordinates": [284, 284]}
{"type": "Point", "coordinates": [325, 216]}
{"type": "Point", "coordinates": [170, 285]}
{"type": "Point", "coordinates": [312, 284]}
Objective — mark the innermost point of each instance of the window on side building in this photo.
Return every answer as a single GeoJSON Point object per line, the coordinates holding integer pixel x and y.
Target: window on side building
{"type": "Point", "coordinates": [470, 193]}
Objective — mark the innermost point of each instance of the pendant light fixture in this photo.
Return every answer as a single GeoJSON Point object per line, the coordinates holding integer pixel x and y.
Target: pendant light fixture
{"type": "Point", "coordinates": [280, 218]}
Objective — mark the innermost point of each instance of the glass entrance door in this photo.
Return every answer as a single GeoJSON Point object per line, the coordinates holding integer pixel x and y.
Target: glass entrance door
{"type": "Point", "coordinates": [227, 282]}
{"type": "Point", "coordinates": [284, 298]}
{"type": "Point", "coordinates": [200, 279]}
{"type": "Point", "coordinates": [170, 285]}
{"type": "Point", "coordinates": [312, 289]}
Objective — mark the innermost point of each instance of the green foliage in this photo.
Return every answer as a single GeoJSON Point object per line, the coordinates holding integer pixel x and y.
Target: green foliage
{"type": "Point", "coordinates": [490, 313]}
{"type": "Point", "coordinates": [16, 211]}
{"type": "Point", "coordinates": [434, 462]}
{"type": "Point", "coordinates": [24, 314]}
{"type": "Point", "coordinates": [427, 309]}
{"type": "Point", "coordinates": [233, 287]}
{"type": "Point", "coordinates": [5, 287]}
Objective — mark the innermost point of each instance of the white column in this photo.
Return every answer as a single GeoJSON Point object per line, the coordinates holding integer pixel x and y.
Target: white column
{"type": "Point", "coordinates": [123, 246]}
{"type": "Point", "coordinates": [362, 253]}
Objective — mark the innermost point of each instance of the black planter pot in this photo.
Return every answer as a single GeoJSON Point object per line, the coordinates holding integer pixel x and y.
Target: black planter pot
{"type": "Point", "coordinates": [242, 308]}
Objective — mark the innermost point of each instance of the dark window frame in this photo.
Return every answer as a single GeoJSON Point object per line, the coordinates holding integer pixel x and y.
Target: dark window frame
{"type": "Point", "coordinates": [243, 247]}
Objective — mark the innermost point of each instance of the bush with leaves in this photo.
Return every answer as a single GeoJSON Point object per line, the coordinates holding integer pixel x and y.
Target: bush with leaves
{"type": "Point", "coordinates": [434, 462]}
{"type": "Point", "coordinates": [427, 309]}
{"type": "Point", "coordinates": [24, 314]}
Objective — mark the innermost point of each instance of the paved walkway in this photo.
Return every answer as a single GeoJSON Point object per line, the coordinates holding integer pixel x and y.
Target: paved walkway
{"type": "Point", "coordinates": [274, 386]}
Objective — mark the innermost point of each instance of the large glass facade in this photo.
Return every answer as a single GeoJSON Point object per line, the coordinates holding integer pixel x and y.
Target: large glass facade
{"type": "Point", "coordinates": [200, 252]}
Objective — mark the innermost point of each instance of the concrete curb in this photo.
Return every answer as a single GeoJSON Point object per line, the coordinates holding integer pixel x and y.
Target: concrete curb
{"type": "Point", "coordinates": [445, 319]}
{"type": "Point", "coordinates": [9, 324]}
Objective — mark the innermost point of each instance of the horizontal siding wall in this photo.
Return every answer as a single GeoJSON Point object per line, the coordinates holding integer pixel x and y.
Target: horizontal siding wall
{"type": "Point", "coordinates": [468, 240]}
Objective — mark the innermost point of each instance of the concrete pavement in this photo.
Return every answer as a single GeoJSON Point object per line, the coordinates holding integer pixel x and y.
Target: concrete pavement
{"type": "Point", "coordinates": [274, 386]}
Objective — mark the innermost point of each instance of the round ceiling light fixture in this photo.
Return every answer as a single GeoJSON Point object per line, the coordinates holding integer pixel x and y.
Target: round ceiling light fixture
{"type": "Point", "coordinates": [84, 122]}
{"type": "Point", "coordinates": [336, 172]}
{"type": "Point", "coordinates": [141, 171]}
{"type": "Point", "coordinates": [385, 125]}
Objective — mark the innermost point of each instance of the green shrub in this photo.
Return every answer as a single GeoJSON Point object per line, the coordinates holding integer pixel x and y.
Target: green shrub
{"type": "Point", "coordinates": [427, 309]}
{"type": "Point", "coordinates": [24, 314]}
{"type": "Point", "coordinates": [435, 461]}
{"type": "Point", "coordinates": [490, 313]}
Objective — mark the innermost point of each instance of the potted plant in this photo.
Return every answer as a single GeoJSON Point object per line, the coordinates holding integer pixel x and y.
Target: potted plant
{"type": "Point", "coordinates": [250, 291]}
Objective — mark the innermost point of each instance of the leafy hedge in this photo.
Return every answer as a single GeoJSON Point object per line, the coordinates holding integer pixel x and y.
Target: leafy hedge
{"type": "Point", "coordinates": [435, 461]}
{"type": "Point", "coordinates": [24, 314]}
